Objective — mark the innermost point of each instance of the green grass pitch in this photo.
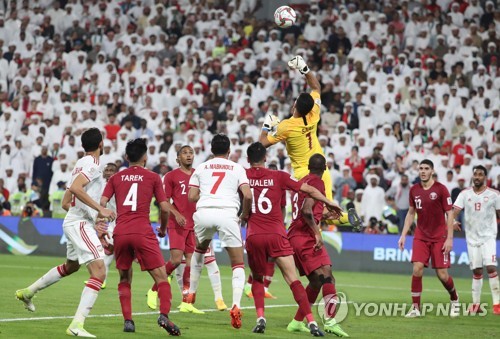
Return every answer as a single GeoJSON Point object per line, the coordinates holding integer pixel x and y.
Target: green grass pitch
{"type": "Point", "coordinates": [60, 302]}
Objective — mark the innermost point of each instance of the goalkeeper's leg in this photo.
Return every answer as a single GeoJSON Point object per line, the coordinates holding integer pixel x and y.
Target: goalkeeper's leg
{"type": "Point", "coordinates": [348, 218]}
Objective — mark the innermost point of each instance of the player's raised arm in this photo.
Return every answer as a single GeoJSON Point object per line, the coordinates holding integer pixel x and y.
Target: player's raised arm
{"type": "Point", "coordinates": [315, 194]}
{"type": "Point", "coordinates": [77, 189]}
{"type": "Point", "coordinates": [298, 63]}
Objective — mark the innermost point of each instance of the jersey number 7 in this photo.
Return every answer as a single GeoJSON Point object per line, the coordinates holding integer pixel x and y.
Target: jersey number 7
{"type": "Point", "coordinates": [220, 176]}
{"type": "Point", "coordinates": [310, 140]}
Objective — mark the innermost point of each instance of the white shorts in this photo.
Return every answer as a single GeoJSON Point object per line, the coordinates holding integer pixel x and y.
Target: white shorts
{"type": "Point", "coordinates": [483, 255]}
{"type": "Point", "coordinates": [82, 244]}
{"type": "Point", "coordinates": [207, 221]}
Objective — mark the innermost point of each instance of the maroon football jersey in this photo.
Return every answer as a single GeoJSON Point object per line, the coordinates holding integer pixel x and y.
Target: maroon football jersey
{"type": "Point", "coordinates": [134, 189]}
{"type": "Point", "coordinates": [267, 189]}
{"type": "Point", "coordinates": [299, 225]}
{"type": "Point", "coordinates": [430, 206]}
{"type": "Point", "coordinates": [176, 184]}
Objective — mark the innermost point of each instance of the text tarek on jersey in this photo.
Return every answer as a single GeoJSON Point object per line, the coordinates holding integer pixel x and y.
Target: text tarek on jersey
{"type": "Point", "coordinates": [132, 177]}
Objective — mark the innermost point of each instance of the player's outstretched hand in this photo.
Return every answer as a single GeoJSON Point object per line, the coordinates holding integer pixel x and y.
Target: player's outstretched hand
{"type": "Point", "coordinates": [181, 220]}
{"type": "Point", "coordinates": [319, 242]}
{"type": "Point", "coordinates": [456, 225]}
{"type": "Point", "coordinates": [270, 122]}
{"type": "Point", "coordinates": [107, 214]}
{"type": "Point", "coordinates": [401, 242]}
{"type": "Point", "coordinates": [161, 233]}
{"type": "Point", "coordinates": [298, 63]}
{"type": "Point", "coordinates": [334, 209]}
{"type": "Point", "coordinates": [243, 220]}
{"type": "Point", "coordinates": [447, 246]}
{"type": "Point", "coordinates": [100, 226]}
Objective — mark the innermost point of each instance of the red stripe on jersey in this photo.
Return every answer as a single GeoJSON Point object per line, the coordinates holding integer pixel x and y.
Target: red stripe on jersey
{"type": "Point", "coordinates": [85, 176]}
{"type": "Point", "coordinates": [191, 185]}
{"type": "Point", "coordinates": [87, 241]}
{"type": "Point", "coordinates": [245, 183]}
{"type": "Point", "coordinates": [458, 208]}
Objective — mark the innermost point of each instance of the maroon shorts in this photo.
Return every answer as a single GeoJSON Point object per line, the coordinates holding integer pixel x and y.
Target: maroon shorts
{"type": "Point", "coordinates": [425, 250]}
{"type": "Point", "coordinates": [143, 247]}
{"type": "Point", "coordinates": [306, 258]}
{"type": "Point", "coordinates": [181, 239]}
{"type": "Point", "coordinates": [261, 247]}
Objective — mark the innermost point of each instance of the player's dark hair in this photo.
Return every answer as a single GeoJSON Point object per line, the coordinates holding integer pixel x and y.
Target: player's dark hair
{"type": "Point", "coordinates": [427, 162]}
{"type": "Point", "coordinates": [136, 149]}
{"type": "Point", "coordinates": [273, 167]}
{"type": "Point", "coordinates": [220, 144]}
{"type": "Point", "coordinates": [256, 152]}
{"type": "Point", "coordinates": [481, 168]}
{"type": "Point", "coordinates": [182, 147]}
{"type": "Point", "coordinates": [304, 105]}
{"type": "Point", "coordinates": [317, 163]}
{"type": "Point", "coordinates": [91, 139]}
{"type": "Point", "coordinates": [112, 164]}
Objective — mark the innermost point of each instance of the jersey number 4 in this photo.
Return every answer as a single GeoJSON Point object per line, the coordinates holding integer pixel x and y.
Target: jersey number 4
{"type": "Point", "coordinates": [131, 198]}
{"type": "Point", "coordinates": [261, 201]}
{"type": "Point", "coordinates": [220, 176]}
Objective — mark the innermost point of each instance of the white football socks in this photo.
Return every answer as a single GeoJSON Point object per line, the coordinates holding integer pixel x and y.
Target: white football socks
{"type": "Point", "coordinates": [51, 277]}
{"type": "Point", "coordinates": [495, 288]}
{"type": "Point", "coordinates": [87, 300]}
{"type": "Point", "coordinates": [238, 284]}
{"type": "Point", "coordinates": [214, 276]}
{"type": "Point", "coordinates": [477, 285]}
{"type": "Point", "coordinates": [196, 266]}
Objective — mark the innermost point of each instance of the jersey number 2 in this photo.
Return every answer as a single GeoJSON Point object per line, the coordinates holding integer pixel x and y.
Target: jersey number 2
{"type": "Point", "coordinates": [220, 176]}
{"type": "Point", "coordinates": [131, 198]}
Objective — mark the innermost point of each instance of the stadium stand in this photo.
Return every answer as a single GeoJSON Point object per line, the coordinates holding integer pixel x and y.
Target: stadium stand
{"type": "Point", "coordinates": [401, 80]}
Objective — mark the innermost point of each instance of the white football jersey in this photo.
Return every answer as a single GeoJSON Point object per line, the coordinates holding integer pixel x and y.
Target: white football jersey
{"type": "Point", "coordinates": [219, 180]}
{"type": "Point", "coordinates": [89, 167]}
{"type": "Point", "coordinates": [480, 213]}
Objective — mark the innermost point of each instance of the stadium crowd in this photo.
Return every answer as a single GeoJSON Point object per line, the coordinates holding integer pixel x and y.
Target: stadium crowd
{"type": "Point", "coordinates": [401, 81]}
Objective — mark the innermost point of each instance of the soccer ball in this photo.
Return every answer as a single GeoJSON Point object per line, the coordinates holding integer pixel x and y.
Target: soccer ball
{"type": "Point", "coordinates": [285, 16]}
